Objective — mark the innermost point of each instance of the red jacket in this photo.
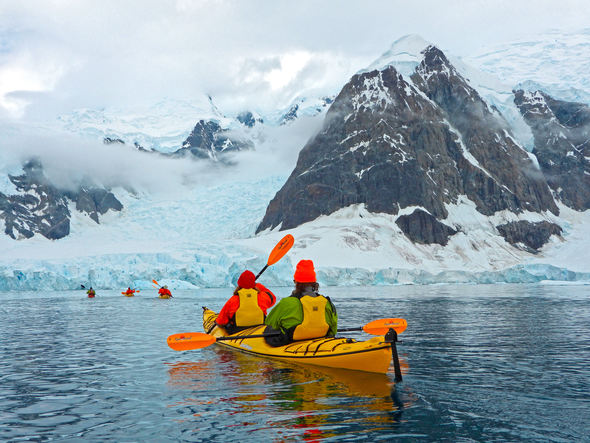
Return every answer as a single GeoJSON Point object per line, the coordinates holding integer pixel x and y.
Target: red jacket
{"type": "Point", "coordinates": [164, 291]}
{"type": "Point", "coordinates": [265, 300]}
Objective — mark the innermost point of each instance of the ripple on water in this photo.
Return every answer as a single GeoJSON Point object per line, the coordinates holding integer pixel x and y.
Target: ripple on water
{"type": "Point", "coordinates": [493, 363]}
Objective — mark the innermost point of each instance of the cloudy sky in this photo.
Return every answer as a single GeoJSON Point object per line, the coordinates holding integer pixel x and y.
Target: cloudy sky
{"type": "Point", "coordinates": [59, 55]}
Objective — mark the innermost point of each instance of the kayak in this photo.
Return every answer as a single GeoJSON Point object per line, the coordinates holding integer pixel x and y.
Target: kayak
{"type": "Point", "coordinates": [128, 295]}
{"type": "Point", "coordinates": [373, 355]}
{"type": "Point", "coordinates": [90, 295]}
{"type": "Point", "coordinates": [164, 296]}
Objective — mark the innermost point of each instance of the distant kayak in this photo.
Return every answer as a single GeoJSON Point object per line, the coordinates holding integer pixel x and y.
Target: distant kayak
{"type": "Point", "coordinates": [91, 295]}
{"type": "Point", "coordinates": [128, 295]}
{"type": "Point", "coordinates": [165, 296]}
{"type": "Point", "coordinates": [373, 355]}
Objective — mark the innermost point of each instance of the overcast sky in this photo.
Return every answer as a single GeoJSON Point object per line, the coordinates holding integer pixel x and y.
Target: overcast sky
{"type": "Point", "coordinates": [58, 55]}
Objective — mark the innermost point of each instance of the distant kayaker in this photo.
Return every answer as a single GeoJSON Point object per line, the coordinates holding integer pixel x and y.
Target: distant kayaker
{"type": "Point", "coordinates": [164, 291]}
{"type": "Point", "coordinates": [247, 306]}
{"type": "Point", "coordinates": [304, 314]}
{"type": "Point", "coordinates": [129, 291]}
{"type": "Point", "coordinates": [91, 293]}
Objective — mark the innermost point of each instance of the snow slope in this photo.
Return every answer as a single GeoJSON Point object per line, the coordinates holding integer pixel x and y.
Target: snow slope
{"type": "Point", "coordinates": [556, 62]}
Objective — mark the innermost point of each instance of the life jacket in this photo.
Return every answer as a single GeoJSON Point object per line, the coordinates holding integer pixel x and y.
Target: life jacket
{"type": "Point", "coordinates": [249, 313]}
{"type": "Point", "coordinates": [314, 323]}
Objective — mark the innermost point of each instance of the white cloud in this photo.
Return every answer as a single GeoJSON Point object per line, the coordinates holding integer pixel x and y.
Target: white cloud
{"type": "Point", "coordinates": [257, 53]}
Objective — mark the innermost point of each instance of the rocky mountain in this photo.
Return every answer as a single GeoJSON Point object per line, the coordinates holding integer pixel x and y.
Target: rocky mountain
{"type": "Point", "coordinates": [422, 140]}
{"type": "Point", "coordinates": [209, 140]}
{"type": "Point", "coordinates": [562, 144]}
{"type": "Point", "coordinates": [40, 207]}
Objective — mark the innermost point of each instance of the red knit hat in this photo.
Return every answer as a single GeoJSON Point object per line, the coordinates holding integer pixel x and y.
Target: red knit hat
{"type": "Point", "coordinates": [304, 272]}
{"type": "Point", "coordinates": [247, 280]}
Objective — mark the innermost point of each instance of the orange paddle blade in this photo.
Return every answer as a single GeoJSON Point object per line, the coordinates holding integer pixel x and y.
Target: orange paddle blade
{"type": "Point", "coordinates": [280, 249]}
{"type": "Point", "coordinates": [381, 326]}
{"type": "Point", "coordinates": [190, 340]}
{"type": "Point", "coordinates": [156, 282]}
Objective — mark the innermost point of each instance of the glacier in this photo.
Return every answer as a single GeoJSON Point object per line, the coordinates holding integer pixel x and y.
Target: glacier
{"type": "Point", "coordinates": [205, 238]}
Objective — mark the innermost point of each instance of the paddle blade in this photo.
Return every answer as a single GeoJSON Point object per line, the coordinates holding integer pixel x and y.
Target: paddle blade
{"type": "Point", "coordinates": [190, 340]}
{"type": "Point", "coordinates": [156, 282]}
{"type": "Point", "coordinates": [280, 249]}
{"type": "Point", "coordinates": [381, 326]}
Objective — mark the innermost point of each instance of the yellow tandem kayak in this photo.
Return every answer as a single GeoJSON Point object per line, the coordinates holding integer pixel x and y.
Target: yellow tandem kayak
{"type": "Point", "coordinates": [373, 355]}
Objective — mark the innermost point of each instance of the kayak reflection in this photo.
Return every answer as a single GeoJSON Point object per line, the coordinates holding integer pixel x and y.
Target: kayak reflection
{"type": "Point", "coordinates": [308, 402]}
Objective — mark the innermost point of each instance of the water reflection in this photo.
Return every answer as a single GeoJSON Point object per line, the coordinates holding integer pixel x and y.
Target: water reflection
{"type": "Point", "coordinates": [302, 401]}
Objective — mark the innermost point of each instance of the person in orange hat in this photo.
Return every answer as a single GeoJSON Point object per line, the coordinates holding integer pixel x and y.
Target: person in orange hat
{"type": "Point", "coordinates": [304, 314]}
{"type": "Point", "coordinates": [247, 306]}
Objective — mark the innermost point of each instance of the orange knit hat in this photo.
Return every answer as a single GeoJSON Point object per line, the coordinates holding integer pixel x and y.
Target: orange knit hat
{"type": "Point", "coordinates": [304, 272]}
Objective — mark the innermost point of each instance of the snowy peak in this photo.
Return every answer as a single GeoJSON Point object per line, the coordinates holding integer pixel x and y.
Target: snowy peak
{"type": "Point", "coordinates": [404, 55]}
{"type": "Point", "coordinates": [393, 144]}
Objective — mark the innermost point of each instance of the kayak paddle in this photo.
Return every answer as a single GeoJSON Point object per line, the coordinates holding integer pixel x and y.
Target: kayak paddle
{"type": "Point", "coordinates": [278, 252]}
{"type": "Point", "coordinates": [196, 340]}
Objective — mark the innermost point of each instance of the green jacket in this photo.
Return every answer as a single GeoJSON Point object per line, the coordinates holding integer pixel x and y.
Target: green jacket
{"type": "Point", "coordinates": [288, 314]}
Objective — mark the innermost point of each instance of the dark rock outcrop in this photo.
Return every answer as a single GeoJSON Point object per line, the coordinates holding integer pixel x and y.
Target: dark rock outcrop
{"type": "Point", "coordinates": [421, 227]}
{"type": "Point", "coordinates": [390, 143]}
{"type": "Point", "coordinates": [561, 132]}
{"type": "Point", "coordinates": [532, 235]}
{"type": "Point", "coordinates": [40, 207]}
{"type": "Point", "coordinates": [112, 141]}
{"type": "Point", "coordinates": [248, 119]}
{"type": "Point", "coordinates": [95, 201]}
{"type": "Point", "coordinates": [209, 140]}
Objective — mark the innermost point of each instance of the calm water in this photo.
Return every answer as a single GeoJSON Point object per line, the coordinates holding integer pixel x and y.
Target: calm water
{"type": "Point", "coordinates": [480, 363]}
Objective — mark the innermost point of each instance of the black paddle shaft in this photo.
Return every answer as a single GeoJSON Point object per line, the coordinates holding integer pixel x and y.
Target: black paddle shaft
{"type": "Point", "coordinates": [260, 273]}
{"type": "Point", "coordinates": [391, 337]}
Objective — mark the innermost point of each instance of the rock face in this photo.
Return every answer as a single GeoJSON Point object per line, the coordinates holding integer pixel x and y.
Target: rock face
{"type": "Point", "coordinates": [421, 227]}
{"type": "Point", "coordinates": [532, 235]}
{"type": "Point", "coordinates": [39, 207]}
{"type": "Point", "coordinates": [389, 142]}
{"type": "Point", "coordinates": [209, 140]}
{"type": "Point", "coordinates": [562, 144]}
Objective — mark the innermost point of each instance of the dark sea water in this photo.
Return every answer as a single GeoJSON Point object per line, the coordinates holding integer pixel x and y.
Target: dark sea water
{"type": "Point", "coordinates": [480, 363]}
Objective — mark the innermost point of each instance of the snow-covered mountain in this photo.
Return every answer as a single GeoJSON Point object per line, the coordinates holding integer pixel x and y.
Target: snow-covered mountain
{"type": "Point", "coordinates": [167, 125]}
{"type": "Point", "coordinates": [203, 234]}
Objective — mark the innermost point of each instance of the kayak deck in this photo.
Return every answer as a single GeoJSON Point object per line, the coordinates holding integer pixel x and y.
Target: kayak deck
{"type": "Point", "coordinates": [373, 355]}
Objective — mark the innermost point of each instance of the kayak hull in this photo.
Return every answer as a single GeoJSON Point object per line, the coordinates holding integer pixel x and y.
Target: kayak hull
{"type": "Point", "coordinates": [373, 355]}
{"type": "Point", "coordinates": [166, 297]}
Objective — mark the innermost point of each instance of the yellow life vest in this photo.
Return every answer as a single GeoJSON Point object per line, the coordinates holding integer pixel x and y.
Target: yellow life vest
{"type": "Point", "coordinates": [249, 313]}
{"type": "Point", "coordinates": [314, 323]}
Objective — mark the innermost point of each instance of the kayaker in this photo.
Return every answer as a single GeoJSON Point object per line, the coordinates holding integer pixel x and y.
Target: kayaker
{"type": "Point", "coordinates": [247, 306]}
{"type": "Point", "coordinates": [130, 291]}
{"type": "Point", "coordinates": [304, 314]}
{"type": "Point", "coordinates": [91, 292]}
{"type": "Point", "coordinates": [164, 291]}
